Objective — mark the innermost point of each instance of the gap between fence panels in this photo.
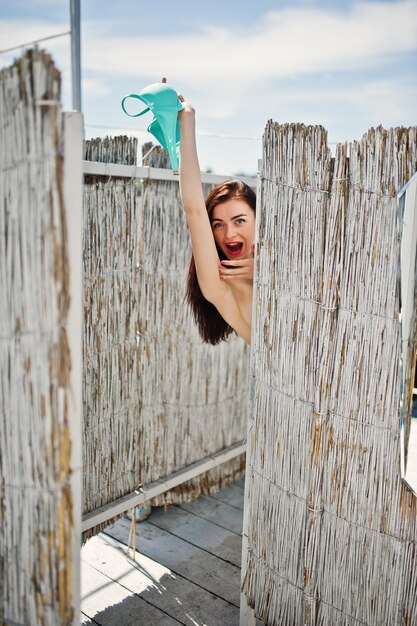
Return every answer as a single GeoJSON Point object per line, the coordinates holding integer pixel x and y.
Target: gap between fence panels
{"type": "Point", "coordinates": [154, 173]}
{"type": "Point", "coordinates": [73, 198]}
{"type": "Point", "coordinates": [144, 493]}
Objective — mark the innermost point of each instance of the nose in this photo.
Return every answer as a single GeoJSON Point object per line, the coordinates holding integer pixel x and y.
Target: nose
{"type": "Point", "coordinates": [230, 230]}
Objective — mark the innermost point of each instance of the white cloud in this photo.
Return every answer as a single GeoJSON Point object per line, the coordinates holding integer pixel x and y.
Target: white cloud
{"type": "Point", "coordinates": [387, 101]}
{"type": "Point", "coordinates": [285, 43]}
{"type": "Point", "coordinates": [95, 130]}
{"type": "Point", "coordinates": [230, 62]}
{"type": "Point", "coordinates": [226, 69]}
{"type": "Point", "coordinates": [95, 88]}
{"type": "Point", "coordinates": [348, 110]}
{"type": "Point", "coordinates": [16, 32]}
{"type": "Point", "coordinates": [240, 76]}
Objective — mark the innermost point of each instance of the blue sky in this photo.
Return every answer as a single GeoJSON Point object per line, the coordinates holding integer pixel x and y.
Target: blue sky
{"type": "Point", "coordinates": [346, 65]}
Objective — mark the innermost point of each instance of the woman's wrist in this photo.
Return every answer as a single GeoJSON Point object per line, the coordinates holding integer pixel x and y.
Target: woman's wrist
{"type": "Point", "coordinates": [187, 123]}
{"type": "Point", "coordinates": [187, 114]}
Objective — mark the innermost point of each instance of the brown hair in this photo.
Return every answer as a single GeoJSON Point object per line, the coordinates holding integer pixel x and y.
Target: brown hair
{"type": "Point", "coordinates": [211, 325]}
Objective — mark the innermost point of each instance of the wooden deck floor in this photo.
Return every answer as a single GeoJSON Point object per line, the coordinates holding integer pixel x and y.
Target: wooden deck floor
{"type": "Point", "coordinates": [187, 568]}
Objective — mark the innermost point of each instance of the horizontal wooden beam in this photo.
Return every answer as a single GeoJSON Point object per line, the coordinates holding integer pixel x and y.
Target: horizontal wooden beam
{"type": "Point", "coordinates": [153, 173]}
{"type": "Point", "coordinates": [142, 494]}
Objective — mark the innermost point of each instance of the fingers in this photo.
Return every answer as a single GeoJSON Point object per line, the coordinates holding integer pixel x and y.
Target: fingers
{"type": "Point", "coordinates": [237, 272]}
{"type": "Point", "coordinates": [244, 269]}
{"type": "Point", "coordinates": [240, 263]}
{"type": "Point", "coordinates": [230, 270]}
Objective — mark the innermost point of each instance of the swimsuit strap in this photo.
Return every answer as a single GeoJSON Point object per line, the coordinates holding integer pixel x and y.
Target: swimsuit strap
{"type": "Point", "coordinates": [133, 95]}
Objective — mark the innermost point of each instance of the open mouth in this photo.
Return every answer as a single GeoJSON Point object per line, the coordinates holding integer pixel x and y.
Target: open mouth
{"type": "Point", "coordinates": [235, 248]}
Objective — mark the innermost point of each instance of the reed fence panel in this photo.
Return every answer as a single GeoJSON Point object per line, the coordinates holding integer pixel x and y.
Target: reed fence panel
{"type": "Point", "coordinates": [332, 528]}
{"type": "Point", "coordinates": [36, 498]}
{"type": "Point", "coordinates": [155, 398]}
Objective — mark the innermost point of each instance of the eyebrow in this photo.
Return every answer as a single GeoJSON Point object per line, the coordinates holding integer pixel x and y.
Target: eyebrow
{"type": "Point", "coordinates": [217, 219]}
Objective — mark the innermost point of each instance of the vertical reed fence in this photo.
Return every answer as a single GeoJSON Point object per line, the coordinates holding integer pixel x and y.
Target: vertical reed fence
{"type": "Point", "coordinates": [39, 545]}
{"type": "Point", "coordinates": [155, 398]}
{"type": "Point", "coordinates": [332, 528]}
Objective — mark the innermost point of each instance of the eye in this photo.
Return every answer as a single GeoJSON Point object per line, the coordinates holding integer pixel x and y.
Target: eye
{"type": "Point", "coordinates": [240, 220]}
{"type": "Point", "coordinates": [217, 225]}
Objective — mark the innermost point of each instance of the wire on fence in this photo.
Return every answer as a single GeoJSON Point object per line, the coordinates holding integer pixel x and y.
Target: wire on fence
{"type": "Point", "coordinates": [31, 43]}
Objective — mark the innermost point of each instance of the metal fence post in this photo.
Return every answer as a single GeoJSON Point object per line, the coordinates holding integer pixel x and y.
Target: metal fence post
{"type": "Point", "coordinates": [76, 54]}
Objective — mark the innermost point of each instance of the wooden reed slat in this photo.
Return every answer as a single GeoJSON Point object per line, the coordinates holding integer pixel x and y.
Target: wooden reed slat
{"type": "Point", "coordinates": [155, 398]}
{"type": "Point", "coordinates": [332, 529]}
{"type": "Point", "coordinates": [36, 500]}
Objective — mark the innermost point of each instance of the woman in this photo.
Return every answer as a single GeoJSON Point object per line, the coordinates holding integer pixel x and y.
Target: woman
{"type": "Point", "coordinates": [222, 229]}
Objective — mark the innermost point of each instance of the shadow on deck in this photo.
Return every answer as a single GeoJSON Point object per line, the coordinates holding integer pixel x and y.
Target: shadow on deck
{"type": "Point", "coordinates": [187, 567]}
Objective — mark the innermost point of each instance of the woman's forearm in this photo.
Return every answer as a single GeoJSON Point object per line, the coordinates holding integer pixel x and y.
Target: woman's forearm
{"type": "Point", "coordinates": [190, 178]}
{"type": "Point", "coordinates": [202, 242]}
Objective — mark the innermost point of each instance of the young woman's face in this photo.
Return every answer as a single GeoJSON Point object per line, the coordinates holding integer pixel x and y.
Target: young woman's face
{"type": "Point", "coordinates": [233, 225]}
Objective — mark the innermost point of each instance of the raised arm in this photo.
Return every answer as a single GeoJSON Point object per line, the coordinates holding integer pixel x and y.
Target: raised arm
{"type": "Point", "coordinates": [205, 254]}
{"type": "Point", "coordinates": [202, 241]}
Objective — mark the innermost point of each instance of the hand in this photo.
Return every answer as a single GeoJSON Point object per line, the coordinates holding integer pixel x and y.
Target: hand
{"type": "Point", "coordinates": [243, 268]}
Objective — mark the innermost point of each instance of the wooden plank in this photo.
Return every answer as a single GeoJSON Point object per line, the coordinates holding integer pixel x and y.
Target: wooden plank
{"type": "Point", "coordinates": [155, 173]}
{"type": "Point", "coordinates": [108, 603]}
{"type": "Point", "coordinates": [194, 564]}
{"type": "Point", "coordinates": [233, 495]}
{"type": "Point", "coordinates": [216, 511]}
{"type": "Point", "coordinates": [156, 584]}
{"type": "Point", "coordinates": [131, 500]}
{"type": "Point", "coordinates": [214, 539]}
